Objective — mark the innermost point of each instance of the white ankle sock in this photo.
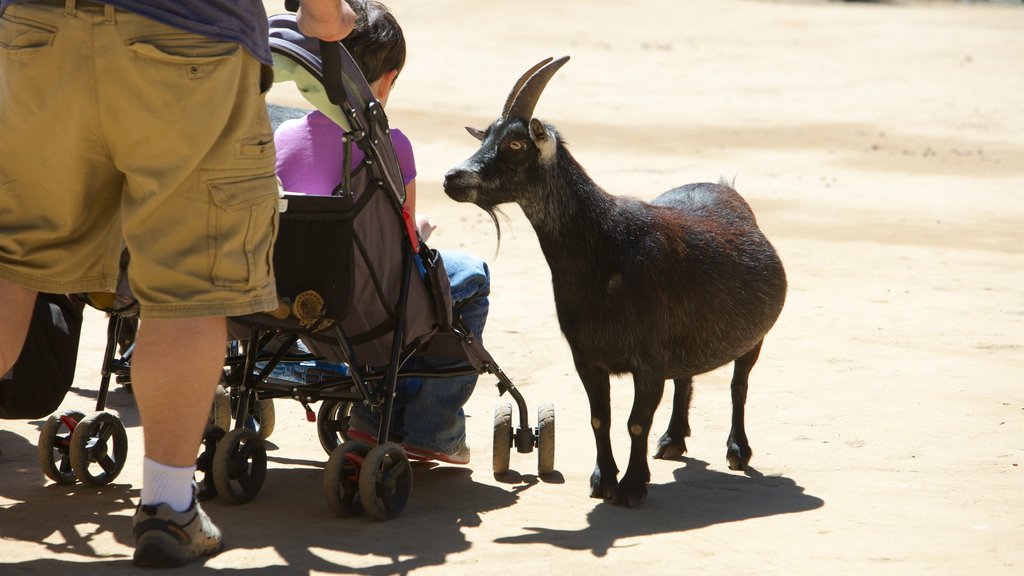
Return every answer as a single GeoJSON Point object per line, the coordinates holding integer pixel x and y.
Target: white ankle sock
{"type": "Point", "coordinates": [162, 484]}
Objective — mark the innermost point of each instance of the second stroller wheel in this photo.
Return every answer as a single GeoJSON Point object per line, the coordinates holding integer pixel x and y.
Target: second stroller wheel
{"type": "Point", "coordinates": [240, 465]}
{"type": "Point", "coordinates": [99, 439]}
{"type": "Point", "coordinates": [502, 438]}
{"type": "Point", "coordinates": [266, 417]}
{"type": "Point", "coordinates": [332, 423]}
{"type": "Point", "coordinates": [385, 481]}
{"type": "Point", "coordinates": [220, 412]}
{"type": "Point", "coordinates": [546, 438]}
{"type": "Point", "coordinates": [341, 478]}
{"type": "Point", "coordinates": [55, 446]}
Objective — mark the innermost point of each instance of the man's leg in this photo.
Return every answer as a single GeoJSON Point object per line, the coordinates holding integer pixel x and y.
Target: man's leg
{"type": "Point", "coordinates": [175, 369]}
{"type": "Point", "coordinates": [16, 305]}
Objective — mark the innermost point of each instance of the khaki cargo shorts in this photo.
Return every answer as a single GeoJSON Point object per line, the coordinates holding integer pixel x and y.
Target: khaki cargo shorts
{"type": "Point", "coordinates": [116, 128]}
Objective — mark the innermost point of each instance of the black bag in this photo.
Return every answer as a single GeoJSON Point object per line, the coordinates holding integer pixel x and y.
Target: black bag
{"type": "Point", "coordinates": [44, 371]}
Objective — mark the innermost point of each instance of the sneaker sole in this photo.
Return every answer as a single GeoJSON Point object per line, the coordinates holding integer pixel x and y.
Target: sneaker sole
{"type": "Point", "coordinates": [152, 550]}
{"type": "Point", "coordinates": [412, 452]}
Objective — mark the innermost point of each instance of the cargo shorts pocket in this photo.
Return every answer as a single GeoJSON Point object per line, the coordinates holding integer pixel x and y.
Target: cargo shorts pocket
{"type": "Point", "coordinates": [20, 35]}
{"type": "Point", "coordinates": [242, 227]}
{"type": "Point", "coordinates": [195, 55]}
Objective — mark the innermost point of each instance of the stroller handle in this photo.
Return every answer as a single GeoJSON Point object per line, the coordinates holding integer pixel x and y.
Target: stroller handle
{"type": "Point", "coordinates": [330, 57]}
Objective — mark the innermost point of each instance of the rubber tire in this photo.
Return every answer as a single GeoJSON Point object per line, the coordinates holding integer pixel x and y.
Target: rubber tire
{"type": "Point", "coordinates": [266, 416]}
{"type": "Point", "coordinates": [341, 478]}
{"type": "Point", "coordinates": [240, 465]}
{"type": "Point", "coordinates": [220, 412]}
{"type": "Point", "coordinates": [50, 439]}
{"type": "Point", "coordinates": [332, 424]}
{"type": "Point", "coordinates": [546, 438]}
{"type": "Point", "coordinates": [385, 481]}
{"type": "Point", "coordinates": [89, 445]}
{"type": "Point", "coordinates": [502, 450]}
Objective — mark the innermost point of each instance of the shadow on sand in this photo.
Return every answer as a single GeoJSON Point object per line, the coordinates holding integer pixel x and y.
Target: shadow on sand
{"type": "Point", "coordinates": [699, 497]}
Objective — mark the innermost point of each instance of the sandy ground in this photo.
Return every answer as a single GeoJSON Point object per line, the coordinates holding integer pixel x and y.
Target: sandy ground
{"type": "Point", "coordinates": [882, 147]}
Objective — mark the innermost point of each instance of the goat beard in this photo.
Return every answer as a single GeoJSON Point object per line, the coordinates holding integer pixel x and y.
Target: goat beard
{"type": "Point", "coordinates": [494, 212]}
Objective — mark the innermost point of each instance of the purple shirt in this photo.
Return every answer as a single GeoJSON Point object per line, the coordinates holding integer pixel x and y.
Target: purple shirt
{"type": "Point", "coordinates": [311, 155]}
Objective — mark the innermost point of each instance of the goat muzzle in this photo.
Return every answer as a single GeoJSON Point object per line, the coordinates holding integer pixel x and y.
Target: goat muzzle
{"type": "Point", "coordinates": [461, 184]}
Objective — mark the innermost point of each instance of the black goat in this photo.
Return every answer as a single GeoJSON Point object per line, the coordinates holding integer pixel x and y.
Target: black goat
{"type": "Point", "coordinates": [668, 289]}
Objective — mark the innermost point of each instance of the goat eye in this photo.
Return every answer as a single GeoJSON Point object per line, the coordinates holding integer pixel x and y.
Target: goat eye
{"type": "Point", "coordinates": [516, 145]}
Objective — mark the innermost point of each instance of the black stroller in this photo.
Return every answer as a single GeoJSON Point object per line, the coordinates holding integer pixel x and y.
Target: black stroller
{"type": "Point", "coordinates": [384, 300]}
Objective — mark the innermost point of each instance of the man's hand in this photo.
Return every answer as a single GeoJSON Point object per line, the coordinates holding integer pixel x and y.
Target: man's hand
{"type": "Point", "coordinates": [329, 20]}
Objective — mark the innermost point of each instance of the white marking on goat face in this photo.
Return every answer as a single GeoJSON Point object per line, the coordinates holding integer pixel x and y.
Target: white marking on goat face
{"type": "Point", "coordinates": [544, 140]}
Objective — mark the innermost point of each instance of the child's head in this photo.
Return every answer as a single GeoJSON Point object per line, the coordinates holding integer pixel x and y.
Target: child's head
{"type": "Point", "coordinates": [377, 44]}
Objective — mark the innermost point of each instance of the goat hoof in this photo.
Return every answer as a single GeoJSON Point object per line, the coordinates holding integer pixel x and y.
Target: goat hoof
{"type": "Point", "coordinates": [630, 493]}
{"type": "Point", "coordinates": [738, 456]}
{"type": "Point", "coordinates": [669, 449]}
{"type": "Point", "coordinates": [601, 486]}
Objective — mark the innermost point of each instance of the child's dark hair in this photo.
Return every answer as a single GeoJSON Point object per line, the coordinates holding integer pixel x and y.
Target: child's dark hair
{"type": "Point", "coordinates": [377, 43]}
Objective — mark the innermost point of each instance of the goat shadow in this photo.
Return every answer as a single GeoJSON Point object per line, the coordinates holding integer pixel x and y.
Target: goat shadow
{"type": "Point", "coordinates": [699, 497]}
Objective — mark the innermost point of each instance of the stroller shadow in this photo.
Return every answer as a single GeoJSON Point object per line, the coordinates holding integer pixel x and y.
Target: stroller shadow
{"type": "Point", "coordinates": [699, 497]}
{"type": "Point", "coordinates": [428, 531]}
{"type": "Point", "coordinates": [64, 519]}
{"type": "Point", "coordinates": [289, 517]}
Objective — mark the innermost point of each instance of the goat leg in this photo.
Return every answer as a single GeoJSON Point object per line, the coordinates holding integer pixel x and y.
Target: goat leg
{"type": "Point", "coordinates": [738, 450]}
{"type": "Point", "coordinates": [673, 442]}
{"type": "Point", "coordinates": [603, 482]}
{"type": "Point", "coordinates": [648, 389]}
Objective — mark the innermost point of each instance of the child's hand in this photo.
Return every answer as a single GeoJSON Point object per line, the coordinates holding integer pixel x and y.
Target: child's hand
{"type": "Point", "coordinates": [424, 226]}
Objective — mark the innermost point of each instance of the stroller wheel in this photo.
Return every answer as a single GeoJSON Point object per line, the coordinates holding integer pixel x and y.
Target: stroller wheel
{"type": "Point", "coordinates": [332, 423]}
{"type": "Point", "coordinates": [99, 439]}
{"type": "Point", "coordinates": [546, 438]}
{"type": "Point", "coordinates": [55, 445]}
{"type": "Point", "coordinates": [502, 438]}
{"type": "Point", "coordinates": [220, 412]}
{"type": "Point", "coordinates": [341, 478]}
{"type": "Point", "coordinates": [385, 481]}
{"type": "Point", "coordinates": [261, 417]}
{"type": "Point", "coordinates": [265, 417]}
{"type": "Point", "coordinates": [206, 489]}
{"type": "Point", "coordinates": [240, 465]}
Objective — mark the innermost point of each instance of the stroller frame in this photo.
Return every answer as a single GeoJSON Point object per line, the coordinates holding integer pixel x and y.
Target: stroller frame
{"type": "Point", "coordinates": [358, 477]}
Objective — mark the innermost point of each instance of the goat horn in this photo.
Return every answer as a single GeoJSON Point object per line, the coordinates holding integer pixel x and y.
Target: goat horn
{"type": "Point", "coordinates": [524, 96]}
{"type": "Point", "coordinates": [519, 85]}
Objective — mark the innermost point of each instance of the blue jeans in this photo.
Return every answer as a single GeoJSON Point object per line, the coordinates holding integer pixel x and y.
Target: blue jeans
{"type": "Point", "coordinates": [428, 413]}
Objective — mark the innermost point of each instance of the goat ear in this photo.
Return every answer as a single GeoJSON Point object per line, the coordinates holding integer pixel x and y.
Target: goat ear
{"type": "Point", "coordinates": [544, 140]}
{"type": "Point", "coordinates": [537, 131]}
{"type": "Point", "coordinates": [475, 133]}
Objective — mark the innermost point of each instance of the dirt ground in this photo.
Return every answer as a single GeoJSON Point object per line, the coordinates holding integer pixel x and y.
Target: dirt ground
{"type": "Point", "coordinates": [882, 148]}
